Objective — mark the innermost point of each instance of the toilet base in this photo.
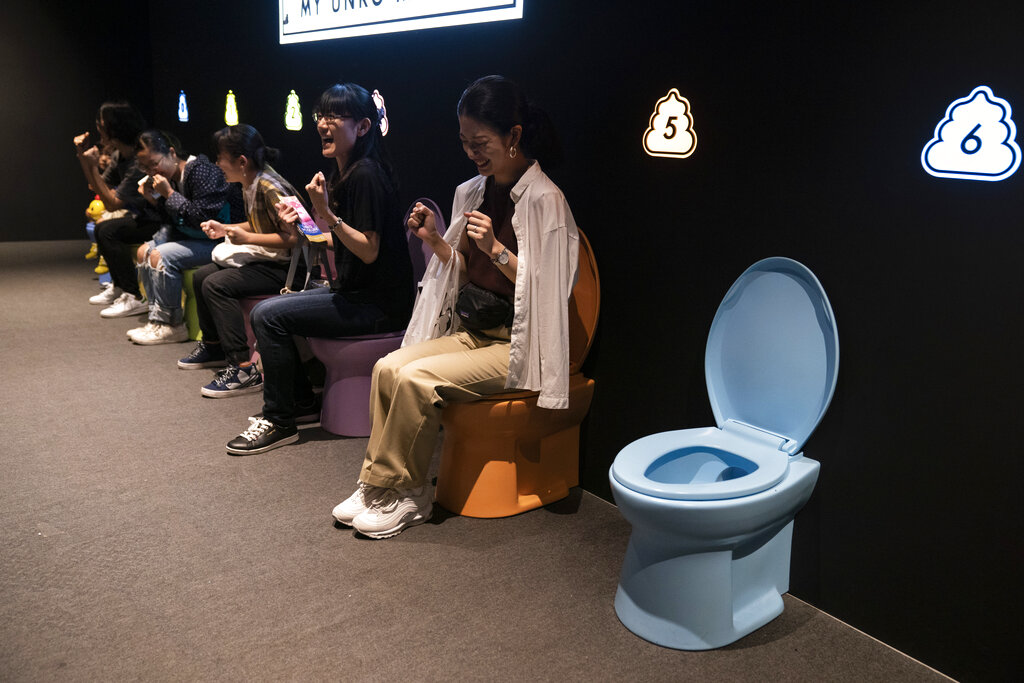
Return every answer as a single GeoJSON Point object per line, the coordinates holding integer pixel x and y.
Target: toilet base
{"type": "Point", "coordinates": [702, 601]}
{"type": "Point", "coordinates": [503, 455]}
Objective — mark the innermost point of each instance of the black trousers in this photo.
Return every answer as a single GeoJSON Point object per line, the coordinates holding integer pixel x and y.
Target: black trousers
{"type": "Point", "coordinates": [218, 291]}
{"type": "Point", "coordinates": [116, 240]}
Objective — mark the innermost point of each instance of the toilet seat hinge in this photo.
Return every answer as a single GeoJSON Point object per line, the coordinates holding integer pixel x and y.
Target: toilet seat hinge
{"type": "Point", "coordinates": [760, 436]}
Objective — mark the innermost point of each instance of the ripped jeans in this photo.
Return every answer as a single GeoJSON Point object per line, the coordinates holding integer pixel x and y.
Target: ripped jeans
{"type": "Point", "coordinates": [163, 283]}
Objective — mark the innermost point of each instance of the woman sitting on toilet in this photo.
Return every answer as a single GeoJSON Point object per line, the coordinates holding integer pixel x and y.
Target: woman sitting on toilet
{"type": "Point", "coordinates": [493, 312]}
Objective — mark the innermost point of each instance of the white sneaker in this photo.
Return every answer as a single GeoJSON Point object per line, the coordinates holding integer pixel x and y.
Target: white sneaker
{"type": "Point", "coordinates": [136, 331]}
{"type": "Point", "coordinates": [357, 503]}
{"type": "Point", "coordinates": [126, 304]}
{"type": "Point", "coordinates": [393, 511]}
{"type": "Point", "coordinates": [107, 296]}
{"type": "Point", "coordinates": [162, 334]}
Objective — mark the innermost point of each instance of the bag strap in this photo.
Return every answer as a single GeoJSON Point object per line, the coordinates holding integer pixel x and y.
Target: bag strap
{"type": "Point", "coordinates": [314, 254]}
{"type": "Point", "coordinates": [301, 248]}
{"type": "Point", "coordinates": [319, 255]}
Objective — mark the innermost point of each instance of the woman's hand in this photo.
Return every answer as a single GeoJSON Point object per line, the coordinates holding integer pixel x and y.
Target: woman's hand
{"type": "Point", "coordinates": [422, 223]}
{"type": "Point", "coordinates": [161, 185]}
{"type": "Point", "coordinates": [213, 229]}
{"type": "Point", "coordinates": [317, 191]}
{"type": "Point", "coordinates": [146, 190]}
{"type": "Point", "coordinates": [479, 229]}
{"type": "Point", "coordinates": [91, 155]}
{"type": "Point", "coordinates": [237, 234]}
{"type": "Point", "coordinates": [288, 217]}
{"type": "Point", "coordinates": [81, 143]}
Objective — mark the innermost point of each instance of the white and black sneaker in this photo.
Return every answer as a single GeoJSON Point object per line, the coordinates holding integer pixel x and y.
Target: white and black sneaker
{"type": "Point", "coordinates": [262, 435]}
{"type": "Point", "coordinates": [234, 381]}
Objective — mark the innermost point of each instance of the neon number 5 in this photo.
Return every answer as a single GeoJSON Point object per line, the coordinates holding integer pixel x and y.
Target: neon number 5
{"type": "Point", "coordinates": [670, 125]}
{"type": "Point", "coordinates": [976, 141]}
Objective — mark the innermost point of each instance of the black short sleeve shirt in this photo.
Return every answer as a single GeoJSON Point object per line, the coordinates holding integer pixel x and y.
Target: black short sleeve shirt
{"type": "Point", "coordinates": [366, 200]}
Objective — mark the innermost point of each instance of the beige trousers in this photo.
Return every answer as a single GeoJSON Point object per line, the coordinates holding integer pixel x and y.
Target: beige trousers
{"type": "Point", "coordinates": [409, 389]}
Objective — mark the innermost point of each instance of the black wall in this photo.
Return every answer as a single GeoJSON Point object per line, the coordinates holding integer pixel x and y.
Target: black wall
{"type": "Point", "coordinates": [58, 63]}
{"type": "Point", "coordinates": [810, 119]}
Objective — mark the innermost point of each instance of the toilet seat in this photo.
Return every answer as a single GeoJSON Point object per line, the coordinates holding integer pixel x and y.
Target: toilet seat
{"type": "Point", "coordinates": [770, 365]}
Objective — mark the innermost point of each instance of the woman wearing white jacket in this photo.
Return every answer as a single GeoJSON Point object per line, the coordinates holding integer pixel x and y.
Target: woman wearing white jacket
{"type": "Point", "coordinates": [493, 313]}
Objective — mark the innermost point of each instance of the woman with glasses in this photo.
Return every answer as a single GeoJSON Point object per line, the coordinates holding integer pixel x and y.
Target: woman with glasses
{"type": "Point", "coordinates": [513, 247]}
{"type": "Point", "coordinates": [357, 207]}
{"type": "Point", "coordinates": [187, 191]}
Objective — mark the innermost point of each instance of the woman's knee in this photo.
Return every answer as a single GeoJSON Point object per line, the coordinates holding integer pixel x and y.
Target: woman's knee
{"type": "Point", "coordinates": [154, 257]}
{"type": "Point", "coordinates": [385, 369]}
{"type": "Point", "coordinates": [409, 376]}
{"type": "Point", "coordinates": [208, 280]}
{"type": "Point", "coordinates": [264, 314]}
{"type": "Point", "coordinates": [104, 230]}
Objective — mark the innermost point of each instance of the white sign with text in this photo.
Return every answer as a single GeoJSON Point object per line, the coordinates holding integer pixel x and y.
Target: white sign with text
{"type": "Point", "coordinates": [308, 20]}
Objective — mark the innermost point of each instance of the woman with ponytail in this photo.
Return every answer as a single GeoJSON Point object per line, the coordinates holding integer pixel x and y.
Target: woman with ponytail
{"type": "Point", "coordinates": [253, 260]}
{"type": "Point", "coordinates": [357, 207]}
{"type": "Point", "coordinates": [513, 247]}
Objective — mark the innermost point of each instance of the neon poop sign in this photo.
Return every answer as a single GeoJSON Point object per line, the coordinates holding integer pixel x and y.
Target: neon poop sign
{"type": "Point", "coordinates": [975, 140]}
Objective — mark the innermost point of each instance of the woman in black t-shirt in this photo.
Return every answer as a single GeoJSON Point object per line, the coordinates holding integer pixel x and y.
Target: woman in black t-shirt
{"type": "Point", "coordinates": [357, 207]}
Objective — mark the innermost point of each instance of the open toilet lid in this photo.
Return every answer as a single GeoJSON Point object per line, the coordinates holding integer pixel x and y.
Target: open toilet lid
{"type": "Point", "coordinates": [773, 351]}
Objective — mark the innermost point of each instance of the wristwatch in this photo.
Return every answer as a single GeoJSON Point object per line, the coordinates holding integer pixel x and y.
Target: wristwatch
{"type": "Point", "coordinates": [502, 258]}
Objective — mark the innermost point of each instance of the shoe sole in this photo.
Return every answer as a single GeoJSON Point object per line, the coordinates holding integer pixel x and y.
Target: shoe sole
{"type": "Point", "coordinates": [226, 393]}
{"type": "Point", "coordinates": [124, 314]}
{"type": "Point", "coordinates": [253, 451]}
{"type": "Point", "coordinates": [154, 342]}
{"type": "Point", "coordinates": [398, 528]}
{"type": "Point", "coordinates": [201, 366]}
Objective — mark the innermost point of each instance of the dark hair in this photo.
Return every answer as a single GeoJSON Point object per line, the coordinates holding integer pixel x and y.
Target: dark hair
{"type": "Point", "coordinates": [161, 142]}
{"type": "Point", "coordinates": [349, 99]}
{"type": "Point", "coordinates": [243, 139]}
{"type": "Point", "coordinates": [121, 121]}
{"type": "Point", "coordinates": [501, 104]}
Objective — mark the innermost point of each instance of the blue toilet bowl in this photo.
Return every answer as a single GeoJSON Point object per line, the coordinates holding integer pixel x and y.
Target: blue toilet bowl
{"type": "Point", "coordinates": [712, 508]}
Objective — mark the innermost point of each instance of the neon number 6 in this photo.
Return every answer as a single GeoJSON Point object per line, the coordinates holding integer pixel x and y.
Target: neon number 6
{"type": "Point", "coordinates": [975, 138]}
{"type": "Point", "coordinates": [670, 125]}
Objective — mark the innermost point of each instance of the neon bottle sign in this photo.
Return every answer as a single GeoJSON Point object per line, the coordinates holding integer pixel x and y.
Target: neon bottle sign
{"type": "Point", "coordinates": [182, 107]}
{"type": "Point", "coordinates": [231, 110]}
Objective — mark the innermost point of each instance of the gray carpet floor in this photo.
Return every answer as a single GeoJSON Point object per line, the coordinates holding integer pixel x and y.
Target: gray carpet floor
{"type": "Point", "coordinates": [133, 548]}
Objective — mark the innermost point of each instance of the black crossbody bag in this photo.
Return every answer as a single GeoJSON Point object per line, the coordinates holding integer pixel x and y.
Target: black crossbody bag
{"type": "Point", "coordinates": [482, 309]}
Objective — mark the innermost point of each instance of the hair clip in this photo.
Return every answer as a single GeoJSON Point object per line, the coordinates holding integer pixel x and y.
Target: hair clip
{"type": "Point", "coordinates": [382, 111]}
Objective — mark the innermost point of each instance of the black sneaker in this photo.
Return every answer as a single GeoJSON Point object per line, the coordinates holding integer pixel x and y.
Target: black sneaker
{"type": "Point", "coordinates": [305, 413]}
{"type": "Point", "coordinates": [204, 356]}
{"type": "Point", "coordinates": [309, 413]}
{"type": "Point", "coordinates": [262, 435]}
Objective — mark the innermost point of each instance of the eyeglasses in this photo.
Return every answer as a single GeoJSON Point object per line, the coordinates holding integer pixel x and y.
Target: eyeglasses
{"type": "Point", "coordinates": [330, 118]}
{"type": "Point", "coordinates": [148, 165]}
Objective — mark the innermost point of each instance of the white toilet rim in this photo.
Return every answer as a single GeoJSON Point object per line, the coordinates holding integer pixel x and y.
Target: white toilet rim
{"type": "Point", "coordinates": [633, 462]}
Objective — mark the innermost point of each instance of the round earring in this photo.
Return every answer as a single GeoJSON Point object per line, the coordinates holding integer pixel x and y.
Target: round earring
{"type": "Point", "coordinates": [512, 153]}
